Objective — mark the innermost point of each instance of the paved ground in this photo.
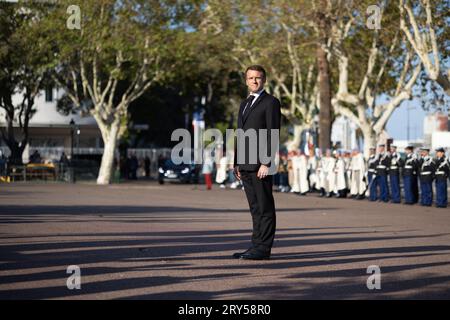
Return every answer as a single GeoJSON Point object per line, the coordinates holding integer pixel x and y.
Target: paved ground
{"type": "Point", "coordinates": [145, 241]}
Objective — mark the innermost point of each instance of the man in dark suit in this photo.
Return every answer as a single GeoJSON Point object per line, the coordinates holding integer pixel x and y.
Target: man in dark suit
{"type": "Point", "coordinates": [259, 112]}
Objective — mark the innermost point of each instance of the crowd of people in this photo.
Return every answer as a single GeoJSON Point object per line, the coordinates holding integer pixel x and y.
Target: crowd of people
{"type": "Point", "coordinates": [343, 174]}
{"type": "Point", "coordinates": [129, 166]}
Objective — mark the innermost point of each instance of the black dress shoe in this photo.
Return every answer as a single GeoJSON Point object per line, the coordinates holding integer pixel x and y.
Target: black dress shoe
{"type": "Point", "coordinates": [255, 256]}
{"type": "Point", "coordinates": [237, 255]}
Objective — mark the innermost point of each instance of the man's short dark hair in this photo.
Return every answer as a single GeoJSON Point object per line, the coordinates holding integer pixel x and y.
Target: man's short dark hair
{"type": "Point", "coordinates": [256, 67]}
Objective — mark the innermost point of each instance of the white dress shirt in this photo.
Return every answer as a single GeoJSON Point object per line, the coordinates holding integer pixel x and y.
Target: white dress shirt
{"type": "Point", "coordinates": [256, 96]}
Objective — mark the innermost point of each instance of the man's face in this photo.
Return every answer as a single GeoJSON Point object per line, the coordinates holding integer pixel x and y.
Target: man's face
{"type": "Point", "coordinates": [424, 153]}
{"type": "Point", "coordinates": [380, 149]}
{"type": "Point", "coordinates": [255, 80]}
{"type": "Point", "coordinates": [439, 154]}
{"type": "Point", "coordinates": [393, 150]}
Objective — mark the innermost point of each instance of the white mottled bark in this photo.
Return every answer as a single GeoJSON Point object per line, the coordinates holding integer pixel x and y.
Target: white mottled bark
{"type": "Point", "coordinates": [106, 168]}
{"type": "Point", "coordinates": [371, 124]}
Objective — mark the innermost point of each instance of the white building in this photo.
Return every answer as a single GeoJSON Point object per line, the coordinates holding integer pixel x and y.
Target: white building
{"type": "Point", "coordinates": [343, 132]}
{"type": "Point", "coordinates": [436, 130]}
{"type": "Point", "coordinates": [50, 132]}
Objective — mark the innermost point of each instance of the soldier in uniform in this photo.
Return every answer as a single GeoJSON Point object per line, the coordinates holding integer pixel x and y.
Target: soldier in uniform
{"type": "Point", "coordinates": [427, 168]}
{"type": "Point", "coordinates": [410, 170]}
{"type": "Point", "coordinates": [394, 174]}
{"type": "Point", "coordinates": [371, 174]}
{"type": "Point", "coordinates": [442, 174]}
{"type": "Point", "coordinates": [382, 168]}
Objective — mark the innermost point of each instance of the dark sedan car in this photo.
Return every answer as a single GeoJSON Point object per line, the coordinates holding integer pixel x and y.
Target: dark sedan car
{"type": "Point", "coordinates": [169, 171]}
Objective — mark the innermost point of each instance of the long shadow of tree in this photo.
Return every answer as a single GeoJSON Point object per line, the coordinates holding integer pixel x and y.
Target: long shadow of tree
{"type": "Point", "coordinates": [187, 250]}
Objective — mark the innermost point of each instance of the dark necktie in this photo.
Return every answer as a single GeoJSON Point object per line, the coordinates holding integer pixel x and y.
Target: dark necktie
{"type": "Point", "coordinates": [248, 103]}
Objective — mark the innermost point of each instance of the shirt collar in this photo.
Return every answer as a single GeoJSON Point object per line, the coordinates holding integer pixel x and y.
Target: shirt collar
{"type": "Point", "coordinates": [256, 94]}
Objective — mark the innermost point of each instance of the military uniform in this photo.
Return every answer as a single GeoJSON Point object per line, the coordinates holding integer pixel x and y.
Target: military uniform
{"type": "Point", "coordinates": [409, 172]}
{"type": "Point", "coordinates": [442, 174]}
{"type": "Point", "coordinates": [427, 168]}
{"type": "Point", "coordinates": [371, 174]}
{"type": "Point", "coordinates": [382, 168]}
{"type": "Point", "coordinates": [396, 163]}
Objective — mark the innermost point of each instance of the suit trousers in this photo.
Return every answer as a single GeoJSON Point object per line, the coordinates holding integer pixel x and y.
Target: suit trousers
{"type": "Point", "coordinates": [262, 208]}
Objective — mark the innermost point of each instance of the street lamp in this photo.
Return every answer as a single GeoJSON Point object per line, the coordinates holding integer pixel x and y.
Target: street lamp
{"type": "Point", "coordinates": [72, 130]}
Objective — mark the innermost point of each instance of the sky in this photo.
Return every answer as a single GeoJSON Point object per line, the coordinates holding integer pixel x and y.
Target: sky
{"type": "Point", "coordinates": [397, 126]}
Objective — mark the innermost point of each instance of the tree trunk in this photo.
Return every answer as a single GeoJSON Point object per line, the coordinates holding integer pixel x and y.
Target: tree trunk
{"type": "Point", "coordinates": [106, 167]}
{"type": "Point", "coordinates": [16, 153]}
{"type": "Point", "coordinates": [294, 144]}
{"type": "Point", "coordinates": [325, 99]}
{"type": "Point", "coordinates": [370, 140]}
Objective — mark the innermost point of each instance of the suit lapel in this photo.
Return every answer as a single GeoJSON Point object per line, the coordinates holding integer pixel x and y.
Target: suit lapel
{"type": "Point", "coordinates": [255, 104]}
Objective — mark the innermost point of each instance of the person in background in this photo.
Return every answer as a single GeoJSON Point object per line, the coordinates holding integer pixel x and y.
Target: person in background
{"type": "Point", "coordinates": [283, 173]}
{"type": "Point", "coordinates": [295, 161]}
{"type": "Point", "coordinates": [382, 168]}
{"type": "Point", "coordinates": [2, 164]}
{"type": "Point", "coordinates": [147, 166]}
{"type": "Point", "coordinates": [35, 157]}
{"type": "Point", "coordinates": [207, 170]}
{"type": "Point", "coordinates": [312, 171]}
{"type": "Point", "coordinates": [340, 187]}
{"type": "Point", "coordinates": [221, 169]}
{"type": "Point", "coordinates": [276, 176]}
{"type": "Point", "coordinates": [427, 169]}
{"type": "Point", "coordinates": [328, 173]}
{"type": "Point", "coordinates": [394, 174]}
{"type": "Point", "coordinates": [409, 172]}
{"type": "Point", "coordinates": [133, 166]}
{"type": "Point", "coordinates": [234, 183]}
{"type": "Point", "coordinates": [371, 174]}
{"type": "Point", "coordinates": [358, 168]}
{"type": "Point", "coordinates": [63, 159]}
{"type": "Point", "coordinates": [290, 169]}
{"type": "Point", "coordinates": [348, 172]}
{"type": "Point", "coordinates": [442, 174]}
{"type": "Point", "coordinates": [303, 173]}
{"type": "Point", "coordinates": [319, 173]}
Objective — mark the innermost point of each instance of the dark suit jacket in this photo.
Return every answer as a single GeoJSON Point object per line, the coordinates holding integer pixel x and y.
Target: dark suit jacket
{"type": "Point", "coordinates": [265, 113]}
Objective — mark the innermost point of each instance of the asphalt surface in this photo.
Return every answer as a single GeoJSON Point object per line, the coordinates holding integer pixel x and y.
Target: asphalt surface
{"type": "Point", "coordinates": [146, 241]}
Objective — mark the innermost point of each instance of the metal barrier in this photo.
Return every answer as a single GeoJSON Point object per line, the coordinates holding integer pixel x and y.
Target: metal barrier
{"type": "Point", "coordinates": [79, 170]}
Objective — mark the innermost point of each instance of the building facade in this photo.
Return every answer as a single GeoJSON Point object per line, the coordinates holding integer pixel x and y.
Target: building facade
{"type": "Point", "coordinates": [51, 132]}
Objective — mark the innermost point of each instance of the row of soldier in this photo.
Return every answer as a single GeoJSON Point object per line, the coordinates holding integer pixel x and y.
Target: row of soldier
{"type": "Point", "coordinates": [336, 174]}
